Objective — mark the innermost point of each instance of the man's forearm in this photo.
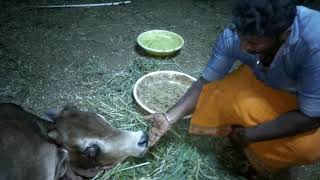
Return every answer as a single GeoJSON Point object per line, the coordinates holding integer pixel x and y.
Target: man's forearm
{"type": "Point", "coordinates": [288, 124]}
{"type": "Point", "coordinates": [187, 103]}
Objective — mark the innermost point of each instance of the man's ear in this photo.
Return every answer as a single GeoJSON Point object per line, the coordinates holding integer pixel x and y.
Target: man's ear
{"type": "Point", "coordinates": [52, 114]}
{"type": "Point", "coordinates": [55, 135]}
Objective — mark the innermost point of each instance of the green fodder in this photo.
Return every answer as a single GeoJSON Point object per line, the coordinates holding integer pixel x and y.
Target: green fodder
{"type": "Point", "coordinates": [92, 87]}
{"type": "Point", "coordinates": [178, 155]}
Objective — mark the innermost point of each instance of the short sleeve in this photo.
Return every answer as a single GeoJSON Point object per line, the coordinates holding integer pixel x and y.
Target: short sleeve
{"type": "Point", "coordinates": [222, 57]}
{"type": "Point", "coordinates": [308, 91]}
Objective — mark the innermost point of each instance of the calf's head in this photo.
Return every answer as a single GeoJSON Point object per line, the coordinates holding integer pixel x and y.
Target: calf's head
{"type": "Point", "coordinates": [92, 143]}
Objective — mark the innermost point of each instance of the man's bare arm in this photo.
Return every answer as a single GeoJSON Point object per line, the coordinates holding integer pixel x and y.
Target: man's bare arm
{"type": "Point", "coordinates": [187, 102]}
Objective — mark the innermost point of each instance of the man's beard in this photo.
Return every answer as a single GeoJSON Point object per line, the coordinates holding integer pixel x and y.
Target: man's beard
{"type": "Point", "coordinates": [267, 57]}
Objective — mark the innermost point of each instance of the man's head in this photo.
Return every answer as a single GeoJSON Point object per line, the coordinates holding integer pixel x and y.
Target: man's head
{"type": "Point", "coordinates": [262, 24]}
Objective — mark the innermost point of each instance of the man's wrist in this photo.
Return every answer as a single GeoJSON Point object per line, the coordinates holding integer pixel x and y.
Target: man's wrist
{"type": "Point", "coordinates": [170, 117]}
{"type": "Point", "coordinates": [249, 134]}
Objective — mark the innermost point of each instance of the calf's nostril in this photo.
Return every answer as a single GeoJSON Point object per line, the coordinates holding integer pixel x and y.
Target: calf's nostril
{"type": "Point", "coordinates": [144, 140]}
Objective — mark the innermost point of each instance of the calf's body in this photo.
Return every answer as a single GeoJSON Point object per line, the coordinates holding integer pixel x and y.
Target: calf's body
{"type": "Point", "coordinates": [73, 145]}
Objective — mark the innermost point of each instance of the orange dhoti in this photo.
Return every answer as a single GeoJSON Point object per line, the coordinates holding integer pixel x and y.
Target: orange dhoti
{"type": "Point", "coordinates": [241, 99]}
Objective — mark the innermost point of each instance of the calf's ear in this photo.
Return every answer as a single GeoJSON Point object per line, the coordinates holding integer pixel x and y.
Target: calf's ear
{"type": "Point", "coordinates": [51, 114]}
{"type": "Point", "coordinates": [55, 135]}
{"type": "Point", "coordinates": [70, 107]}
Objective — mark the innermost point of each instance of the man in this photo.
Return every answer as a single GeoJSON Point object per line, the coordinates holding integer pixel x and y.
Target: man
{"type": "Point", "coordinates": [271, 104]}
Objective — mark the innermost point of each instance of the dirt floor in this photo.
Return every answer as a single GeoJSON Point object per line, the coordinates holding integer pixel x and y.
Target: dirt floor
{"type": "Point", "coordinates": [50, 57]}
{"type": "Point", "coordinates": [52, 48]}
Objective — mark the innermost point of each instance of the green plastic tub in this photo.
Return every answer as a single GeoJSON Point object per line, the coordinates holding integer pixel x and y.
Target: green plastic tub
{"type": "Point", "coordinates": [160, 42]}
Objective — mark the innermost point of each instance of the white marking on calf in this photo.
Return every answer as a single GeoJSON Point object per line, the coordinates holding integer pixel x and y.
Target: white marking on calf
{"type": "Point", "coordinates": [130, 144]}
{"type": "Point", "coordinates": [127, 145]}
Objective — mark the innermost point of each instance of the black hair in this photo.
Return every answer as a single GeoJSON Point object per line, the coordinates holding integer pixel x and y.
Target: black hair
{"type": "Point", "coordinates": [267, 18]}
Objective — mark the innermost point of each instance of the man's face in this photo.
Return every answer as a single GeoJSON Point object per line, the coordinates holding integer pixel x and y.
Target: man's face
{"type": "Point", "coordinates": [257, 45]}
{"type": "Point", "coordinates": [265, 47]}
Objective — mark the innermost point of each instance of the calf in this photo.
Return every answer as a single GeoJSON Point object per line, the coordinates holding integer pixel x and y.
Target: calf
{"type": "Point", "coordinates": [71, 144]}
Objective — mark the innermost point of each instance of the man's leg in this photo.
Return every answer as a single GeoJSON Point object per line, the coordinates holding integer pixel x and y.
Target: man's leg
{"type": "Point", "coordinates": [240, 99]}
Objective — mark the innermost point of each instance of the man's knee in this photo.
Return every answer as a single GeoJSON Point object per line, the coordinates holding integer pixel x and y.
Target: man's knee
{"type": "Point", "coordinates": [253, 108]}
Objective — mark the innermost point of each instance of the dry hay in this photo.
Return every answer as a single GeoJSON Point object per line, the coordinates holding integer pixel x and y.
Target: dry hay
{"type": "Point", "coordinates": [178, 155]}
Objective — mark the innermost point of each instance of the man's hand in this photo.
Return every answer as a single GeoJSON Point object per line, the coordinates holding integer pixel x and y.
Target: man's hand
{"type": "Point", "coordinates": [160, 125]}
{"type": "Point", "coordinates": [185, 105]}
{"type": "Point", "coordinates": [238, 136]}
